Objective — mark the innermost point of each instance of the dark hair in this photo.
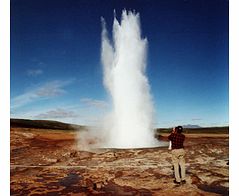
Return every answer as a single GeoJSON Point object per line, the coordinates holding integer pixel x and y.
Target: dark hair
{"type": "Point", "coordinates": [179, 129]}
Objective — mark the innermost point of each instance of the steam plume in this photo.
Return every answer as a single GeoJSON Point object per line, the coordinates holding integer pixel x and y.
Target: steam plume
{"type": "Point", "coordinates": [124, 65]}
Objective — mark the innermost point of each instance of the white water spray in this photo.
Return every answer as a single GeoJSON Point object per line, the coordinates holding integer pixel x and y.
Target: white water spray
{"type": "Point", "coordinates": [124, 63]}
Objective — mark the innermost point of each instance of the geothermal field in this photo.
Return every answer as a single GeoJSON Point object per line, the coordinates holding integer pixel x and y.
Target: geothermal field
{"type": "Point", "coordinates": [46, 160]}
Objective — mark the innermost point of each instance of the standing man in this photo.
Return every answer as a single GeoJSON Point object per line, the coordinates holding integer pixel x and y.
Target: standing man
{"type": "Point", "coordinates": [178, 154]}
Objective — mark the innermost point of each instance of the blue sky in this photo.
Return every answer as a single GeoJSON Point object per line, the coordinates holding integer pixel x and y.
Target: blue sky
{"type": "Point", "coordinates": [56, 71]}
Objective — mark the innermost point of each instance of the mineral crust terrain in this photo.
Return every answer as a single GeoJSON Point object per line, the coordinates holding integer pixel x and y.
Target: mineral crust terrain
{"type": "Point", "coordinates": [49, 162]}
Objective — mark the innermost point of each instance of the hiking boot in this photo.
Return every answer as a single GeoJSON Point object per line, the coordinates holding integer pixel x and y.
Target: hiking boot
{"type": "Point", "coordinates": [176, 182]}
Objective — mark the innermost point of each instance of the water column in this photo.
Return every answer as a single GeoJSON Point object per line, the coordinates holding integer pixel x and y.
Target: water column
{"type": "Point", "coordinates": [130, 124]}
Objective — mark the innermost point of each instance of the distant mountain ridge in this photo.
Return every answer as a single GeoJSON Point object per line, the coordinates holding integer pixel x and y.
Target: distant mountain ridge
{"type": "Point", "coordinates": [222, 130]}
{"type": "Point", "coordinates": [44, 124]}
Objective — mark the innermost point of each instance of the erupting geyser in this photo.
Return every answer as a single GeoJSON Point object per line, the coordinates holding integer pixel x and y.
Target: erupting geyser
{"type": "Point", "coordinates": [124, 63]}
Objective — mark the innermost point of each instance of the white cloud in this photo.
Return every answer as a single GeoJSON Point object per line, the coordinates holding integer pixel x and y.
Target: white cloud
{"type": "Point", "coordinates": [57, 113]}
{"type": "Point", "coordinates": [45, 91]}
{"type": "Point", "coordinates": [196, 119]}
{"type": "Point", "coordinates": [94, 103]}
{"type": "Point", "coordinates": [34, 72]}
{"type": "Point", "coordinates": [51, 89]}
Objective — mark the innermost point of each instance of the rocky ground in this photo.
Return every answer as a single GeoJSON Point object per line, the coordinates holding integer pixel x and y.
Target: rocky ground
{"type": "Point", "coordinates": [47, 162]}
